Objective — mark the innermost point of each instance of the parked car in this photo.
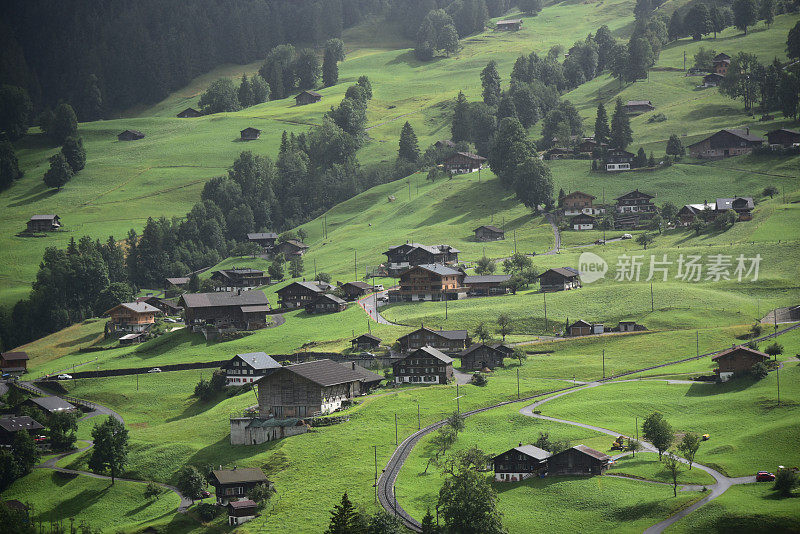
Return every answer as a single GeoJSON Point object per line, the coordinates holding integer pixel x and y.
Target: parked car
{"type": "Point", "coordinates": [64, 377]}
{"type": "Point", "coordinates": [383, 298]}
{"type": "Point", "coordinates": [378, 287]}
{"type": "Point", "coordinates": [154, 370]}
{"type": "Point", "coordinates": [599, 242]}
{"type": "Point", "coordinates": [627, 236]}
{"type": "Point", "coordinates": [170, 320]}
{"type": "Point", "coordinates": [204, 494]}
{"type": "Point", "coordinates": [764, 476]}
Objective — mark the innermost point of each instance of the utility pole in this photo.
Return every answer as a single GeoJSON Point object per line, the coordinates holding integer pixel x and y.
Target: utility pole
{"type": "Point", "coordinates": [458, 402]}
{"type": "Point", "coordinates": [375, 485]}
{"type": "Point", "coordinates": [604, 363]}
{"type": "Point", "coordinates": [637, 435]}
{"type": "Point", "coordinates": [778, 378]}
{"type": "Point", "coordinates": [517, 383]}
{"type": "Point", "coordinates": [445, 307]}
{"type": "Point", "coordinates": [604, 207]}
{"type": "Point", "coordinates": [395, 428]}
{"type": "Point", "coordinates": [137, 380]}
{"type": "Point", "coordinates": [684, 61]}
{"type": "Point", "coordinates": [544, 296]}
{"type": "Point", "coordinates": [697, 343]}
{"type": "Point", "coordinates": [515, 241]}
{"type": "Point", "coordinates": [409, 190]}
{"type": "Point", "coordinates": [355, 264]}
{"type": "Point", "coordinates": [419, 420]}
{"type": "Point", "coordinates": [315, 268]}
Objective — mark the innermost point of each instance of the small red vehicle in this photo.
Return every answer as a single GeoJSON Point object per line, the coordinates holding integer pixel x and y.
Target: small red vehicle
{"type": "Point", "coordinates": [40, 439]}
{"type": "Point", "coordinates": [204, 494]}
{"type": "Point", "coordinates": [764, 476]}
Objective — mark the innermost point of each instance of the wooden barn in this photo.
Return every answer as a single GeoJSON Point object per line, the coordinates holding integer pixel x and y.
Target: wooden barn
{"type": "Point", "coordinates": [263, 239]}
{"type": "Point", "coordinates": [725, 143]}
{"type": "Point", "coordinates": [250, 134]}
{"type": "Point", "coordinates": [44, 223]}
{"type": "Point", "coordinates": [132, 316]}
{"type": "Point", "coordinates": [242, 278]}
{"type": "Point", "coordinates": [130, 135]}
{"type": "Point", "coordinates": [291, 247]}
{"type": "Point", "coordinates": [486, 285]}
{"type": "Point", "coordinates": [520, 463]}
{"type": "Point", "coordinates": [445, 340]}
{"type": "Point", "coordinates": [559, 279]}
{"type": "Point", "coordinates": [510, 25]}
{"type": "Point", "coordinates": [326, 303]}
{"type": "Point", "coordinates": [783, 137]}
{"type": "Point", "coordinates": [240, 310]}
{"type": "Point", "coordinates": [737, 361]}
{"type": "Point", "coordinates": [487, 232]}
{"type": "Point", "coordinates": [578, 460]}
{"type": "Point", "coordinates": [307, 97]}
{"type": "Point", "coordinates": [582, 222]}
{"type": "Point", "coordinates": [365, 342]}
{"type": "Point", "coordinates": [635, 107]}
{"type": "Point", "coordinates": [14, 362]}
{"type": "Point", "coordinates": [10, 425]}
{"type": "Point", "coordinates": [355, 290]}
{"type": "Point", "coordinates": [237, 483]}
{"type": "Point", "coordinates": [298, 294]}
{"type": "Point", "coordinates": [481, 356]}
{"type": "Point", "coordinates": [189, 113]}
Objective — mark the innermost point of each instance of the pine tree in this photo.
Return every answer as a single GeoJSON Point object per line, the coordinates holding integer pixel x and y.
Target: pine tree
{"type": "Point", "coordinates": [675, 29]}
{"type": "Point", "coordinates": [9, 165]}
{"type": "Point", "coordinates": [506, 107]}
{"type": "Point", "coordinates": [461, 128]}
{"type": "Point", "coordinates": [428, 525]}
{"type": "Point", "coordinates": [409, 148]}
{"type": "Point", "coordinates": [561, 196]}
{"type": "Point", "coordinates": [65, 123]}
{"type": "Point", "coordinates": [330, 70]}
{"type": "Point", "coordinates": [74, 153]}
{"type": "Point", "coordinates": [766, 12]}
{"type": "Point", "coordinates": [601, 130]}
{"type": "Point", "coordinates": [621, 133]}
{"type": "Point", "coordinates": [245, 92]}
{"type": "Point", "coordinates": [59, 172]}
{"type": "Point", "coordinates": [490, 80]}
{"type": "Point", "coordinates": [343, 518]}
{"type": "Point", "coordinates": [296, 267]}
{"type": "Point", "coordinates": [674, 146]}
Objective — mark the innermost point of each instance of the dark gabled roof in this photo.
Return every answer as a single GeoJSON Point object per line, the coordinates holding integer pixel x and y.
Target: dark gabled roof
{"type": "Point", "coordinates": [250, 129]}
{"type": "Point", "coordinates": [447, 334]}
{"type": "Point", "coordinates": [724, 204]}
{"type": "Point", "coordinates": [15, 356]}
{"type": "Point", "coordinates": [254, 297]}
{"type": "Point", "coordinates": [786, 130]}
{"type": "Point", "coordinates": [436, 353]}
{"type": "Point", "coordinates": [591, 452]}
{"type": "Point", "coordinates": [309, 92]}
{"type": "Point", "coordinates": [445, 142]}
{"type": "Point", "coordinates": [53, 404]}
{"type": "Point", "coordinates": [258, 360]}
{"type": "Point", "coordinates": [178, 280]}
{"type": "Point", "coordinates": [743, 348]}
{"type": "Point", "coordinates": [43, 217]}
{"type": "Point", "coordinates": [470, 155]}
{"type": "Point", "coordinates": [332, 298]}
{"type": "Point", "coordinates": [566, 272]}
{"type": "Point", "coordinates": [17, 423]}
{"type": "Point", "coordinates": [262, 235]}
{"type": "Point", "coordinates": [308, 285]}
{"type": "Point", "coordinates": [721, 55]}
{"type": "Point", "coordinates": [367, 376]}
{"type": "Point", "coordinates": [359, 285]}
{"type": "Point", "coordinates": [638, 103]}
{"type": "Point", "coordinates": [324, 372]}
{"type": "Point", "coordinates": [490, 228]}
{"type": "Point", "coordinates": [634, 194]}
{"type": "Point", "coordinates": [531, 451]}
{"type": "Point", "coordinates": [582, 217]}
{"type": "Point", "coordinates": [134, 132]}
{"type": "Point", "coordinates": [580, 194]}
{"type": "Point", "coordinates": [580, 322]}
{"type": "Point", "coordinates": [241, 474]}
{"type": "Point", "coordinates": [476, 346]}
{"type": "Point", "coordinates": [367, 336]}
{"type": "Point", "coordinates": [14, 504]}
{"type": "Point", "coordinates": [487, 279]}
{"type": "Point", "coordinates": [509, 21]}
{"type": "Point", "coordinates": [246, 503]}
{"type": "Point", "coordinates": [737, 132]}
{"type": "Point", "coordinates": [502, 347]}
{"type": "Point", "coordinates": [136, 307]}
{"type": "Point", "coordinates": [436, 268]}
{"type": "Point", "coordinates": [295, 243]}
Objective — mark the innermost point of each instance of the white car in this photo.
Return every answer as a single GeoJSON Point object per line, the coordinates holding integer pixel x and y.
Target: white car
{"type": "Point", "coordinates": [64, 377]}
{"type": "Point", "coordinates": [154, 370]}
{"type": "Point", "coordinates": [378, 287]}
{"type": "Point", "coordinates": [627, 236]}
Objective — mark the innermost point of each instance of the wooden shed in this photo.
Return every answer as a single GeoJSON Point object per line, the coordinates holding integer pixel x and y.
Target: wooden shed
{"type": "Point", "coordinates": [578, 460]}
{"type": "Point", "coordinates": [130, 135]}
{"type": "Point", "coordinates": [307, 97]}
{"type": "Point", "coordinates": [250, 134]}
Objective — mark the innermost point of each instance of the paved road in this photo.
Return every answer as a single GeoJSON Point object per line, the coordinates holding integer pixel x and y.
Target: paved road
{"type": "Point", "coordinates": [96, 408]}
{"type": "Point", "coordinates": [368, 305]}
{"type": "Point", "coordinates": [556, 233]}
{"type": "Point", "coordinates": [461, 377]}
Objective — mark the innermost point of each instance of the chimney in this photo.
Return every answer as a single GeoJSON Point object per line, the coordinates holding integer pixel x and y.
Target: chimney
{"type": "Point", "coordinates": [747, 129]}
{"type": "Point", "coordinates": [520, 444]}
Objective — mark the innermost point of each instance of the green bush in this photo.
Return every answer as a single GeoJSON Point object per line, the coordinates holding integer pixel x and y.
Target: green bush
{"type": "Point", "coordinates": [206, 511]}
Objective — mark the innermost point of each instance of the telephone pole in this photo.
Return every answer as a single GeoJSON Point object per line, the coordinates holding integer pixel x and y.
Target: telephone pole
{"type": "Point", "coordinates": [697, 343]}
{"type": "Point", "coordinates": [355, 264]}
{"type": "Point", "coordinates": [375, 485]}
{"type": "Point", "coordinates": [395, 429]}
{"type": "Point", "coordinates": [544, 296]}
{"type": "Point", "coordinates": [517, 383]}
{"type": "Point", "coordinates": [604, 363]}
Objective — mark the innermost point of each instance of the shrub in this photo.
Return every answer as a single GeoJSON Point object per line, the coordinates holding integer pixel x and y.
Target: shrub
{"type": "Point", "coordinates": [785, 481]}
{"type": "Point", "coordinates": [206, 511]}
{"type": "Point", "coordinates": [759, 371]}
{"type": "Point", "coordinates": [479, 379]}
{"type": "Point", "coordinates": [152, 490]}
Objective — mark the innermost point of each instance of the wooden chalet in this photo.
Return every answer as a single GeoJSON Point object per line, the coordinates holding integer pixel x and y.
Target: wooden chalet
{"type": "Point", "coordinates": [250, 134]}
{"type": "Point", "coordinates": [486, 285]}
{"type": "Point", "coordinates": [242, 278]}
{"type": "Point", "coordinates": [583, 328]}
{"type": "Point", "coordinates": [401, 257]}
{"type": "Point", "coordinates": [366, 342]}
{"type": "Point", "coordinates": [263, 239]}
{"type": "Point", "coordinates": [130, 135]}
{"type": "Point", "coordinates": [165, 306]}
{"type": "Point", "coordinates": [783, 137]}
{"type": "Point", "coordinates": [722, 63]}
{"type": "Point", "coordinates": [307, 389]}
{"type": "Point", "coordinates": [481, 356]}
{"type": "Point", "coordinates": [433, 281]}
{"type": "Point", "coordinates": [234, 310]}
{"type": "Point", "coordinates": [578, 460]}
{"type": "Point", "coordinates": [189, 113]}
{"type": "Point", "coordinates": [307, 97]}
{"type": "Point", "coordinates": [583, 222]}
{"type": "Point", "coordinates": [355, 290]}
{"type": "Point", "coordinates": [11, 424]}
{"type": "Point", "coordinates": [51, 405]}
{"type": "Point", "coordinates": [510, 25]}
{"type": "Point", "coordinates": [588, 145]}
{"type": "Point", "coordinates": [44, 223]}
{"type": "Point", "coordinates": [247, 368]}
{"type": "Point", "coordinates": [520, 463]}
{"type": "Point", "coordinates": [445, 340]}
{"type": "Point", "coordinates": [638, 106]}
{"type": "Point", "coordinates": [14, 362]}
{"type": "Point", "coordinates": [737, 361]}
{"type": "Point", "coordinates": [240, 512]}
{"type": "Point", "coordinates": [725, 143]}
{"type": "Point", "coordinates": [743, 206]}
{"type": "Point", "coordinates": [291, 248]}
{"type": "Point", "coordinates": [444, 143]}
{"type": "Point", "coordinates": [132, 317]}
{"type": "Point", "coordinates": [298, 294]}
{"type": "Point", "coordinates": [463, 162]}
{"type": "Point", "coordinates": [369, 380]}
{"type": "Point", "coordinates": [559, 279]}
{"type": "Point", "coordinates": [712, 80]}
{"type": "Point", "coordinates": [635, 202]}
{"type": "Point", "coordinates": [177, 281]}
{"type": "Point", "coordinates": [234, 484]}
{"type": "Point", "coordinates": [577, 203]}
{"type": "Point", "coordinates": [488, 232]}
{"type": "Point", "coordinates": [326, 303]}
{"type": "Point", "coordinates": [689, 212]}
{"type": "Point", "coordinates": [425, 365]}
{"type": "Point", "coordinates": [618, 160]}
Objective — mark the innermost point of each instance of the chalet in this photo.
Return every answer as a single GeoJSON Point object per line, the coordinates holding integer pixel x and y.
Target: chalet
{"type": "Point", "coordinates": [509, 25]}
{"type": "Point", "coordinates": [14, 362]}
{"type": "Point", "coordinates": [365, 342]}
{"type": "Point", "coordinates": [132, 317]}
{"type": "Point", "coordinates": [618, 160]}
{"type": "Point", "coordinates": [722, 63]}
{"type": "Point", "coordinates": [263, 239]}
{"type": "Point", "coordinates": [507, 351]}
{"type": "Point", "coordinates": [737, 361]}
{"type": "Point", "coordinates": [444, 340]}
{"type": "Point", "coordinates": [130, 135]}
{"type": "Point", "coordinates": [783, 137]}
{"type": "Point", "coordinates": [725, 143]}
{"type": "Point", "coordinates": [298, 294]}
{"type": "Point", "coordinates": [242, 511]}
{"type": "Point", "coordinates": [10, 425]}
{"type": "Point", "coordinates": [638, 106]}
{"type": "Point", "coordinates": [589, 145]}
{"type": "Point", "coordinates": [578, 203]}
{"type": "Point", "coordinates": [425, 365]}
{"type": "Point", "coordinates": [307, 97]}
{"type": "Point", "coordinates": [51, 405]}
{"type": "Point", "coordinates": [481, 356]}
{"type": "Point", "coordinates": [242, 278]}
{"type": "Point", "coordinates": [712, 80]}
{"type": "Point", "coordinates": [583, 328]}
{"type": "Point", "coordinates": [326, 303]}
{"type": "Point", "coordinates": [177, 281]}
{"type": "Point", "coordinates": [520, 463]}
{"type": "Point", "coordinates": [582, 222]}
{"type": "Point", "coordinates": [235, 310]}
{"type": "Point", "coordinates": [578, 460]}
{"type": "Point", "coordinates": [248, 368]}
{"type": "Point", "coordinates": [487, 232]}
{"type": "Point", "coordinates": [463, 162]}
{"type": "Point", "coordinates": [189, 113]}
{"type": "Point", "coordinates": [743, 206]}
{"type": "Point", "coordinates": [307, 389]}
{"type": "Point", "coordinates": [635, 202]}
{"type": "Point", "coordinates": [401, 257]}
{"type": "Point", "coordinates": [250, 134]}
{"type": "Point", "coordinates": [486, 285]}
{"type": "Point", "coordinates": [234, 484]}
{"type": "Point", "coordinates": [165, 306]}
{"type": "Point", "coordinates": [369, 380]}
{"type": "Point", "coordinates": [559, 152]}
{"type": "Point", "coordinates": [432, 281]}
{"type": "Point", "coordinates": [444, 143]}
{"type": "Point", "coordinates": [44, 223]}
{"type": "Point", "coordinates": [559, 279]}
{"type": "Point", "coordinates": [689, 212]}
{"type": "Point", "coordinates": [290, 248]}
{"type": "Point", "coordinates": [355, 290]}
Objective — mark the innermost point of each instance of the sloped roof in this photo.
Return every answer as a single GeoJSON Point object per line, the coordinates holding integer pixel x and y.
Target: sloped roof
{"type": "Point", "coordinates": [638, 103]}
{"type": "Point", "coordinates": [786, 130]}
{"type": "Point", "coordinates": [324, 372]}
{"type": "Point", "coordinates": [744, 134]}
{"type": "Point", "coordinates": [254, 297]}
{"type": "Point", "coordinates": [178, 280]}
{"type": "Point", "coordinates": [367, 376]}
{"type": "Point", "coordinates": [591, 452]}
{"type": "Point", "coordinates": [447, 334]}
{"type": "Point", "coordinates": [533, 452]}
{"type": "Point", "coordinates": [246, 503]}
{"type": "Point", "coordinates": [490, 227]}
{"type": "Point", "coordinates": [634, 194]}
{"type": "Point", "coordinates": [367, 336]}
{"type": "Point", "coordinates": [251, 129]}
{"type": "Point", "coordinates": [240, 474]}
{"type": "Point", "coordinates": [472, 156]}
{"type": "Point", "coordinates": [309, 92]}
{"type": "Point", "coordinates": [15, 356]}
{"type": "Point", "coordinates": [487, 279]}
{"type": "Point", "coordinates": [136, 307]}
{"type": "Point", "coordinates": [258, 360]}
{"type": "Point", "coordinates": [509, 21]}
{"type": "Point", "coordinates": [53, 404]}
{"type": "Point", "coordinates": [579, 194]}
{"type": "Point", "coordinates": [436, 353]}
{"type": "Point", "coordinates": [437, 268]}
{"type": "Point", "coordinates": [724, 204]}
{"type": "Point", "coordinates": [741, 348]}
{"type": "Point", "coordinates": [43, 217]}
{"type": "Point", "coordinates": [308, 285]}
{"type": "Point", "coordinates": [476, 346]}
{"type": "Point", "coordinates": [580, 322]}
{"type": "Point", "coordinates": [135, 132]}
{"type": "Point", "coordinates": [358, 284]}
{"type": "Point", "coordinates": [582, 217]}
{"type": "Point", "coordinates": [262, 235]}
{"type": "Point", "coordinates": [333, 298]}
{"type": "Point", "coordinates": [22, 422]}
{"type": "Point", "coordinates": [563, 271]}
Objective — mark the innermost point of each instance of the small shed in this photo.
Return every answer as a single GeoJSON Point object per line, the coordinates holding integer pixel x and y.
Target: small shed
{"type": "Point", "coordinates": [488, 232]}
{"type": "Point", "coordinates": [44, 223]}
{"type": "Point", "coordinates": [189, 113]}
{"type": "Point", "coordinates": [783, 137]}
{"type": "Point", "coordinates": [130, 135]}
{"type": "Point", "coordinates": [307, 97]}
{"type": "Point", "coordinates": [354, 290]}
{"type": "Point", "coordinates": [250, 134]}
{"type": "Point", "coordinates": [559, 279]}
{"type": "Point", "coordinates": [481, 356]}
{"type": "Point", "coordinates": [579, 328]}
{"type": "Point", "coordinates": [241, 511]}
{"type": "Point", "coordinates": [365, 342]}
{"type": "Point", "coordinates": [638, 106]}
{"type": "Point", "coordinates": [712, 80]}
{"type": "Point", "coordinates": [51, 404]}
{"type": "Point", "coordinates": [509, 25]}
{"type": "Point", "coordinates": [14, 362]}
{"type": "Point", "coordinates": [737, 361]}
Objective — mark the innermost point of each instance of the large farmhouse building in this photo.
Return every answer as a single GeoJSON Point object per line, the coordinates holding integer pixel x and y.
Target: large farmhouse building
{"type": "Point", "coordinates": [433, 281]}
{"type": "Point", "coordinates": [578, 460]}
{"type": "Point", "coordinates": [247, 368]}
{"type": "Point", "coordinates": [633, 209]}
{"type": "Point", "coordinates": [618, 160]}
{"type": "Point", "coordinates": [240, 310]}
{"type": "Point", "coordinates": [737, 361]}
{"type": "Point", "coordinates": [425, 365]}
{"type": "Point", "coordinates": [783, 137]}
{"type": "Point", "coordinates": [463, 162]}
{"type": "Point", "coordinates": [401, 257]}
{"type": "Point", "coordinates": [132, 317]}
{"type": "Point", "coordinates": [230, 485]}
{"type": "Point", "coordinates": [559, 279]}
{"type": "Point", "coordinates": [481, 356]}
{"type": "Point", "coordinates": [444, 340]}
{"type": "Point", "coordinates": [14, 362]}
{"type": "Point", "coordinates": [10, 425]}
{"type": "Point", "coordinates": [520, 463]}
{"type": "Point", "coordinates": [242, 278]}
{"type": "Point", "coordinates": [263, 239]}
{"type": "Point", "coordinates": [726, 143]}
{"type": "Point", "coordinates": [579, 203]}
{"type": "Point", "coordinates": [299, 294]}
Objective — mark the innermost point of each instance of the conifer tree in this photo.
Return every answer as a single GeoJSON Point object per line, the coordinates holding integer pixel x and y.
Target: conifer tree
{"type": "Point", "coordinates": [601, 130]}
{"type": "Point", "coordinates": [245, 92]}
{"type": "Point", "coordinates": [490, 80]}
{"type": "Point", "coordinates": [621, 133]}
{"type": "Point", "coordinates": [409, 148]}
{"type": "Point", "coordinates": [461, 128]}
{"type": "Point", "coordinates": [343, 518]}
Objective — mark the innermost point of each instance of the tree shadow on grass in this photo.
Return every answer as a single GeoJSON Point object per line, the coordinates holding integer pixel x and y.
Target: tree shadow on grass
{"type": "Point", "coordinates": [731, 386]}
{"type": "Point", "coordinates": [25, 199]}
{"type": "Point", "coordinates": [755, 523]}
{"type": "Point", "coordinates": [74, 505]}
{"type": "Point", "coordinates": [196, 408]}
{"type": "Point", "coordinates": [223, 451]}
{"type": "Point", "coordinates": [411, 60]}
{"type": "Point", "coordinates": [470, 204]}
{"type": "Point", "coordinates": [85, 339]}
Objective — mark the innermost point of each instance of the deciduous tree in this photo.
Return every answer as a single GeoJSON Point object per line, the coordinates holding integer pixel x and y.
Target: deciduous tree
{"type": "Point", "coordinates": [65, 123]}
{"type": "Point", "coordinates": [59, 172]}
{"type": "Point", "coordinates": [745, 13]}
{"type": "Point", "coordinates": [74, 153]}
{"type": "Point", "coordinates": [689, 446]}
{"type": "Point", "coordinates": [110, 450]}
{"type": "Point", "coordinates": [658, 431]}
{"type": "Point", "coordinates": [673, 466]}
